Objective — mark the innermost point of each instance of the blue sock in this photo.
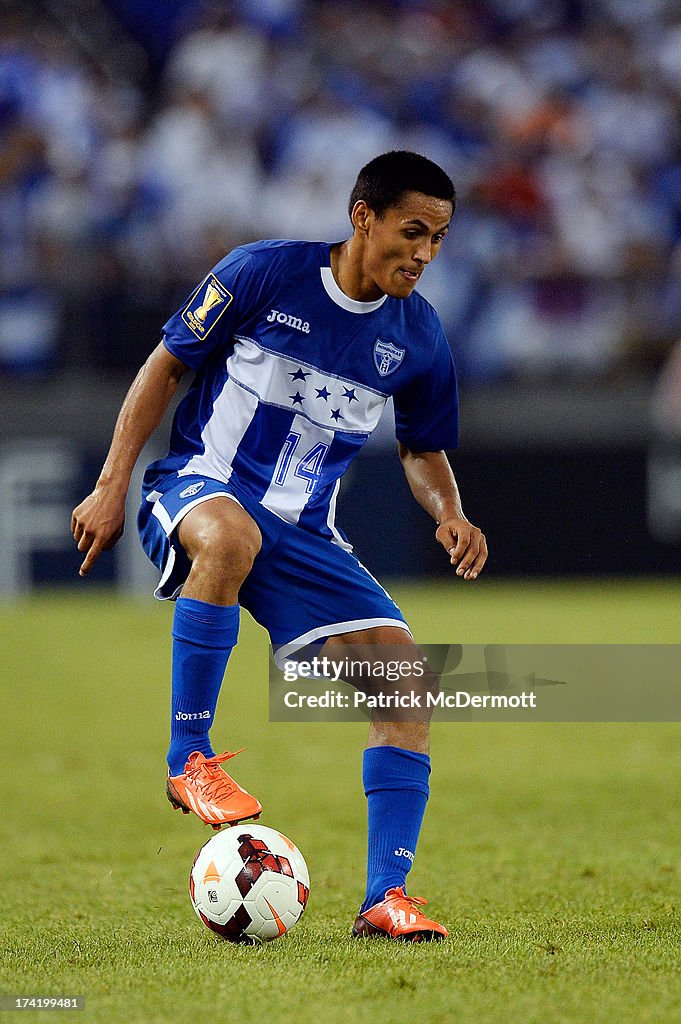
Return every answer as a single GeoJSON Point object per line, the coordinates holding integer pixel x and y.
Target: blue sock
{"type": "Point", "coordinates": [203, 638]}
{"type": "Point", "coordinates": [396, 787]}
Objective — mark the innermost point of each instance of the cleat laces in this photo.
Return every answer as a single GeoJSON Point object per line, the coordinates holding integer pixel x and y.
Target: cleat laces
{"type": "Point", "coordinates": [408, 906]}
{"type": "Point", "coordinates": [400, 894]}
{"type": "Point", "coordinates": [209, 777]}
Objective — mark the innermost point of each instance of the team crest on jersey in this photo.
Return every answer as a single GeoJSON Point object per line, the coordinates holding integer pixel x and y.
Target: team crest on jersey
{"type": "Point", "coordinates": [387, 356]}
{"type": "Point", "coordinates": [193, 489]}
{"type": "Point", "coordinates": [206, 306]}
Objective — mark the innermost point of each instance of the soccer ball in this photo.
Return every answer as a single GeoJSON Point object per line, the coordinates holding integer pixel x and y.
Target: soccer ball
{"type": "Point", "coordinates": [249, 884]}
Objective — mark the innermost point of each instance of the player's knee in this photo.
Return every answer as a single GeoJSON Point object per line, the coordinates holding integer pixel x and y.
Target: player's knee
{"type": "Point", "coordinates": [229, 545]}
{"type": "Point", "coordinates": [228, 541]}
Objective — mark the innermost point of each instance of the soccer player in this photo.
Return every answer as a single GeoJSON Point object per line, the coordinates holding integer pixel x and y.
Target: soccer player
{"type": "Point", "coordinates": [296, 348]}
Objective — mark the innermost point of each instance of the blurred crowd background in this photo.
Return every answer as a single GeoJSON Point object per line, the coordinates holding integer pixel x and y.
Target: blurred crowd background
{"type": "Point", "coordinates": [139, 141]}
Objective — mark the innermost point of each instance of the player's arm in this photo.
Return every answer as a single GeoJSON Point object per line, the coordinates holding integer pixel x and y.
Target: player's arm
{"type": "Point", "coordinates": [97, 523]}
{"type": "Point", "coordinates": [432, 483]}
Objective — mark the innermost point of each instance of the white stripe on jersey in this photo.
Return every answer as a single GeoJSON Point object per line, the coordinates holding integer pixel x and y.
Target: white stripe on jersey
{"type": "Point", "coordinates": [331, 521]}
{"type": "Point", "coordinates": [233, 410]}
{"type": "Point", "coordinates": [323, 398]}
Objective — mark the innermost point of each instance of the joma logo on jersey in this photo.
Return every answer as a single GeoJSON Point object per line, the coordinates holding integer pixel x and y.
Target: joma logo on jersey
{"type": "Point", "coordinates": [206, 306]}
{"type": "Point", "coordinates": [290, 321]}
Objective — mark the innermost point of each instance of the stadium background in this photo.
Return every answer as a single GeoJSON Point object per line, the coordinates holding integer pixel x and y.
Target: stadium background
{"type": "Point", "coordinates": [141, 140]}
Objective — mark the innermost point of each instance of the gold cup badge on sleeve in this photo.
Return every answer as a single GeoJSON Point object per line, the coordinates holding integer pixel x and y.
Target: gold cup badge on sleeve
{"type": "Point", "coordinates": [211, 299]}
{"type": "Point", "coordinates": [201, 315]}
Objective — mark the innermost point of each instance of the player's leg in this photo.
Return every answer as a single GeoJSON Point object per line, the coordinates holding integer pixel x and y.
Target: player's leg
{"type": "Point", "coordinates": [396, 772]}
{"type": "Point", "coordinates": [204, 543]}
{"type": "Point", "coordinates": [221, 542]}
{"type": "Point", "coordinates": [306, 590]}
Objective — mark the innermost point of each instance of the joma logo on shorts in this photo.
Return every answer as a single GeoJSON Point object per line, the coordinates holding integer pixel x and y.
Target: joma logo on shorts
{"type": "Point", "coordinates": [182, 716]}
{"type": "Point", "coordinates": [290, 321]}
{"type": "Point", "coordinates": [193, 489]}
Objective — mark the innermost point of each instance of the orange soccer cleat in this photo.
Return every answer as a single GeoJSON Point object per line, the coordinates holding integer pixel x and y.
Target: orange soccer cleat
{"type": "Point", "coordinates": [212, 795]}
{"type": "Point", "coordinates": [398, 917]}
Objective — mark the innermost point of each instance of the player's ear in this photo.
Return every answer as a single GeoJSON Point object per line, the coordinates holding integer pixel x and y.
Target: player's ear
{"type": "Point", "coordinates": [361, 217]}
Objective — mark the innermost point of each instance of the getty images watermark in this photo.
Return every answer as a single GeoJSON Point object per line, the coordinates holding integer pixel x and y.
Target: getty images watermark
{"type": "Point", "coordinates": [493, 682]}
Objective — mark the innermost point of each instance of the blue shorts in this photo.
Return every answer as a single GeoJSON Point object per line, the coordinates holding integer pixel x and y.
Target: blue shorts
{"type": "Point", "coordinates": [302, 588]}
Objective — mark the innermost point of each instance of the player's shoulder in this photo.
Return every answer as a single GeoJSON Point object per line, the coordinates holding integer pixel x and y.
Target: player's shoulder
{"type": "Point", "coordinates": [272, 253]}
{"type": "Point", "coordinates": [417, 318]}
{"type": "Point", "coordinates": [418, 308]}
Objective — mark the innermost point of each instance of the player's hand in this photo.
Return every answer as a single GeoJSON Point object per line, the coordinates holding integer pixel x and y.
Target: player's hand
{"type": "Point", "coordinates": [465, 544]}
{"type": "Point", "coordinates": [97, 524]}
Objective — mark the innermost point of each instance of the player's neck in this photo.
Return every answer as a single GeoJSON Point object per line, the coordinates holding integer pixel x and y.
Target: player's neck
{"type": "Point", "coordinates": [348, 270]}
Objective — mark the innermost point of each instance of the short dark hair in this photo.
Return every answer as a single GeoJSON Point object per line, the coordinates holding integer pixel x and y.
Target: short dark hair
{"type": "Point", "coordinates": [383, 181]}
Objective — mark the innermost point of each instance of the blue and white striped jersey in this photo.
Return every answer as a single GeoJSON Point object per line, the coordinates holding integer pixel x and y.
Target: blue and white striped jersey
{"type": "Point", "coordinates": [292, 377]}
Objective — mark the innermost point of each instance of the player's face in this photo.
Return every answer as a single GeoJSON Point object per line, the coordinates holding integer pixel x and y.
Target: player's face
{"type": "Point", "coordinates": [402, 242]}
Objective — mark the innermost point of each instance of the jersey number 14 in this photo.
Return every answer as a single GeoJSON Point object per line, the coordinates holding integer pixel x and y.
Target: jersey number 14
{"type": "Point", "coordinates": [309, 467]}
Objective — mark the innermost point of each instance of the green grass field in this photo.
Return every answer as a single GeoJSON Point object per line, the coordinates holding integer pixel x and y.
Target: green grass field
{"type": "Point", "coordinates": [550, 851]}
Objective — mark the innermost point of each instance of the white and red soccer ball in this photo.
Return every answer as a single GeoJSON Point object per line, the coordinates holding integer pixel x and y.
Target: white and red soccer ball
{"type": "Point", "coordinates": [249, 883]}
